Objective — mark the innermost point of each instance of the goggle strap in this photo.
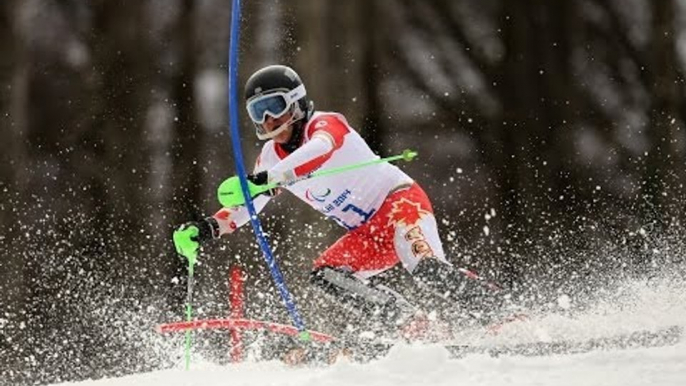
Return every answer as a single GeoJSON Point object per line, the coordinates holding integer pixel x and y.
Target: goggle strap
{"type": "Point", "coordinates": [296, 93]}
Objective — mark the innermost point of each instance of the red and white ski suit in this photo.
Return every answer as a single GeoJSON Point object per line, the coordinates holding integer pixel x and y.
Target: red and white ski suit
{"type": "Point", "coordinates": [388, 216]}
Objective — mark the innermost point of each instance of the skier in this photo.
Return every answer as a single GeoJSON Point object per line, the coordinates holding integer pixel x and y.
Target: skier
{"type": "Point", "coordinates": [389, 218]}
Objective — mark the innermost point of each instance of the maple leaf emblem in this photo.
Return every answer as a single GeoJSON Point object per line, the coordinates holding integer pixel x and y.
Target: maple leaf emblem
{"type": "Point", "coordinates": [406, 213]}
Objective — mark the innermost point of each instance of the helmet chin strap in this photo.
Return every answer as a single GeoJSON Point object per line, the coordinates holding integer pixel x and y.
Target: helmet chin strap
{"type": "Point", "coordinates": [275, 132]}
{"type": "Point", "coordinates": [296, 116]}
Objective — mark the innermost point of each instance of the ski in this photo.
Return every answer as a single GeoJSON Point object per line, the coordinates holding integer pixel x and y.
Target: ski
{"type": "Point", "coordinates": [666, 336]}
{"type": "Point", "coordinates": [639, 339]}
{"type": "Point", "coordinates": [362, 350]}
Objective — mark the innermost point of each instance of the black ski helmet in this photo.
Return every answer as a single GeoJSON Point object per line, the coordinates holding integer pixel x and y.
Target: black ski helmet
{"type": "Point", "coordinates": [277, 80]}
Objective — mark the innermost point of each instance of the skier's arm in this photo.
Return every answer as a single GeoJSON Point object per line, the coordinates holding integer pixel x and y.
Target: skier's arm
{"type": "Point", "coordinates": [230, 219]}
{"type": "Point", "coordinates": [328, 136]}
{"type": "Point", "coordinates": [189, 236]}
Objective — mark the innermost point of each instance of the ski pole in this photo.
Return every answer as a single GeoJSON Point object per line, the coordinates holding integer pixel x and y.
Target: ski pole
{"type": "Point", "coordinates": [230, 194]}
{"type": "Point", "coordinates": [189, 310]}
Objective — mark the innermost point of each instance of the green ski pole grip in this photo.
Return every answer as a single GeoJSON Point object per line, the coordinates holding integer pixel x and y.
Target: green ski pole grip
{"type": "Point", "coordinates": [230, 193]}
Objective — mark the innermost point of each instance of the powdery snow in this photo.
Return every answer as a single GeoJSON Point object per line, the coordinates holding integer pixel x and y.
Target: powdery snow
{"type": "Point", "coordinates": [639, 306]}
{"type": "Point", "coordinates": [431, 366]}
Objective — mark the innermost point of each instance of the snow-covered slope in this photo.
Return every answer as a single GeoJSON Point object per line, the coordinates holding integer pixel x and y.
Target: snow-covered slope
{"type": "Point", "coordinates": [638, 306]}
{"type": "Point", "coordinates": [430, 366]}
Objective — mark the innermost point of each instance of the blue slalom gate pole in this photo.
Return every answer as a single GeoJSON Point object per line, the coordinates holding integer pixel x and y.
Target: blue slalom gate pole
{"type": "Point", "coordinates": [240, 170]}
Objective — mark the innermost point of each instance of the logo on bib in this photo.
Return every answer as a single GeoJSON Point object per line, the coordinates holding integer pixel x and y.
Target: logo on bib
{"type": "Point", "coordinates": [317, 196]}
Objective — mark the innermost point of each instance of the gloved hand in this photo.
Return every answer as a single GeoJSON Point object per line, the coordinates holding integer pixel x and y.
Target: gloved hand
{"type": "Point", "coordinates": [230, 193]}
{"type": "Point", "coordinates": [262, 178]}
{"type": "Point", "coordinates": [189, 236]}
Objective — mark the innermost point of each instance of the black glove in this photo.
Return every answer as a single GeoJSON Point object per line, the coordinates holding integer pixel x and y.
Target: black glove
{"type": "Point", "coordinates": [262, 178]}
{"type": "Point", "coordinates": [208, 229]}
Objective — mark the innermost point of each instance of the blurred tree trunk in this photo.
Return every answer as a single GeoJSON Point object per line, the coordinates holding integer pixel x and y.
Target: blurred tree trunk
{"type": "Point", "coordinates": [185, 202]}
{"type": "Point", "coordinates": [8, 57]}
{"type": "Point", "coordinates": [309, 50]}
{"type": "Point", "coordinates": [517, 88]}
{"type": "Point", "coordinates": [538, 93]}
{"type": "Point", "coordinates": [113, 161]}
{"type": "Point", "coordinates": [13, 163]}
{"type": "Point", "coordinates": [371, 62]}
{"type": "Point", "coordinates": [44, 83]}
{"type": "Point", "coordinates": [662, 164]}
{"type": "Point", "coordinates": [187, 133]}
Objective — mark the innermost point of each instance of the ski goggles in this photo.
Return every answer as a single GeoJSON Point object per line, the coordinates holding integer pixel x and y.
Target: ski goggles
{"type": "Point", "coordinates": [274, 104]}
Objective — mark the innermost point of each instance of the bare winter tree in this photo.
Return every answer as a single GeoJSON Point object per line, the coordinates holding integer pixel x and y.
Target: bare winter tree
{"type": "Point", "coordinates": [556, 101]}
